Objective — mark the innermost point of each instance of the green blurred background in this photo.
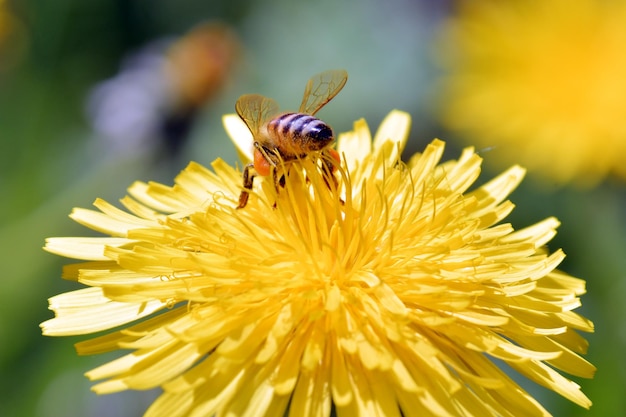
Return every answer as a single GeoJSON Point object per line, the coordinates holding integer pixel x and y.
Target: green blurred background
{"type": "Point", "coordinates": [56, 153]}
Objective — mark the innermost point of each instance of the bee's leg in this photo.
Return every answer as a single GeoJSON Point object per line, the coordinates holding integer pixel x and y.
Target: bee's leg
{"type": "Point", "coordinates": [247, 185]}
{"type": "Point", "coordinates": [271, 161]}
{"type": "Point", "coordinates": [328, 169]}
{"type": "Point", "coordinates": [279, 181]}
{"type": "Point", "coordinates": [330, 162]}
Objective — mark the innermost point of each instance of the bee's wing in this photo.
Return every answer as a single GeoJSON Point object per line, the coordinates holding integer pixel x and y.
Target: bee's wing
{"type": "Point", "coordinates": [254, 110]}
{"type": "Point", "coordinates": [321, 88]}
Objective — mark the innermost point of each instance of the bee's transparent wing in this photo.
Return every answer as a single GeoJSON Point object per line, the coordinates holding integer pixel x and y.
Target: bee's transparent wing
{"type": "Point", "coordinates": [254, 110]}
{"type": "Point", "coordinates": [321, 88]}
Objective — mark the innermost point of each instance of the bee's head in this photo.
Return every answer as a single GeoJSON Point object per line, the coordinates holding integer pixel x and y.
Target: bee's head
{"type": "Point", "coordinates": [320, 136]}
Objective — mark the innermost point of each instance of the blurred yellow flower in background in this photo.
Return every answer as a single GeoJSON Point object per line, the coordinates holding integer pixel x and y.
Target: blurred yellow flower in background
{"type": "Point", "coordinates": [543, 82]}
{"type": "Point", "coordinates": [390, 294]}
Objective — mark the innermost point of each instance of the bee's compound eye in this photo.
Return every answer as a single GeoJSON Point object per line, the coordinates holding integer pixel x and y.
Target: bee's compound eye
{"type": "Point", "coordinates": [261, 164]}
{"type": "Point", "coordinates": [322, 134]}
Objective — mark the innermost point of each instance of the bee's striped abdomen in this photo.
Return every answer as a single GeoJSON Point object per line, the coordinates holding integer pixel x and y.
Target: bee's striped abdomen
{"type": "Point", "coordinates": [300, 132]}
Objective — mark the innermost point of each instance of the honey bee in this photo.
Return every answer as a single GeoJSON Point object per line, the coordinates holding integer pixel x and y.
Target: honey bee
{"type": "Point", "coordinates": [289, 136]}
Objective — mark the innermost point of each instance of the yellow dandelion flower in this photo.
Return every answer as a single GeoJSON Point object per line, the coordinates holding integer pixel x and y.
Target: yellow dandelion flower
{"type": "Point", "coordinates": [390, 294]}
{"type": "Point", "coordinates": [543, 82]}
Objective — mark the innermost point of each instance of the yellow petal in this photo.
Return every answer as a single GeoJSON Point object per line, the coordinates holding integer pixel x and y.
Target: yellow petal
{"type": "Point", "coordinates": [394, 128]}
{"type": "Point", "coordinates": [240, 135]}
{"type": "Point", "coordinates": [88, 311]}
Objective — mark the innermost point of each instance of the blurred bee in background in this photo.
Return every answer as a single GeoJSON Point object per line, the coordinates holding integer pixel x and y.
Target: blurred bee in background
{"type": "Point", "coordinates": [14, 39]}
{"type": "Point", "coordinates": [157, 93]}
{"type": "Point", "coordinates": [285, 137]}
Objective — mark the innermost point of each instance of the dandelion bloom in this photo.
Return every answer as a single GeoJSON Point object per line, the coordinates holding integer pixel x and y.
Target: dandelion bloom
{"type": "Point", "coordinates": [543, 82]}
{"type": "Point", "coordinates": [388, 294]}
